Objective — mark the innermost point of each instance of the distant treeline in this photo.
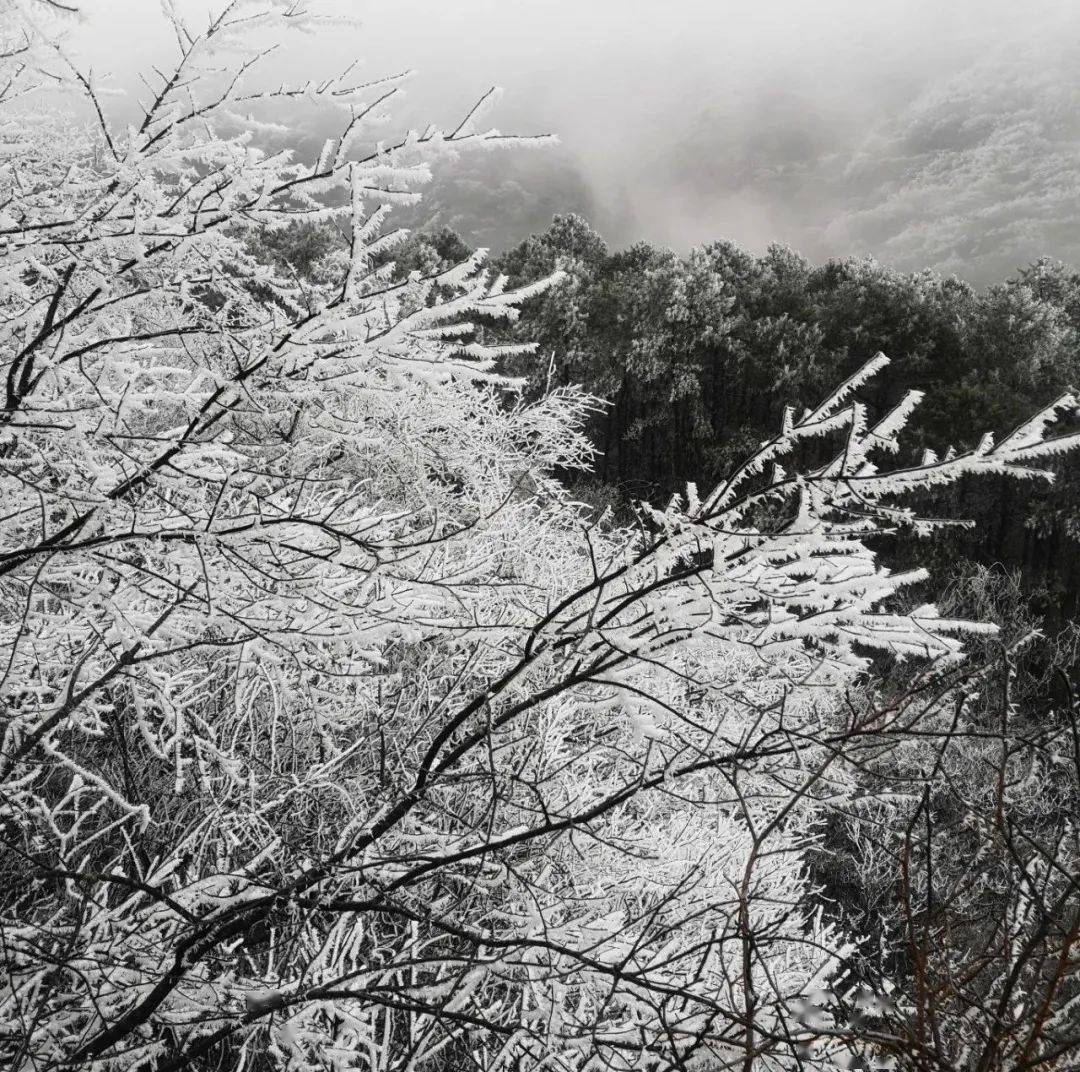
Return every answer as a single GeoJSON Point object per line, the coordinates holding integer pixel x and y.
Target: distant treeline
{"type": "Point", "coordinates": [698, 355]}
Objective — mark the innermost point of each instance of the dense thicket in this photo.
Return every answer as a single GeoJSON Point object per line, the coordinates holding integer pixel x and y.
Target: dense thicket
{"type": "Point", "coordinates": [695, 357]}
{"type": "Point", "coordinates": [336, 735]}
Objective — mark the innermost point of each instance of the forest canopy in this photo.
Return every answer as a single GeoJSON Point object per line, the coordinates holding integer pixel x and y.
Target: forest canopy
{"type": "Point", "coordinates": [697, 355]}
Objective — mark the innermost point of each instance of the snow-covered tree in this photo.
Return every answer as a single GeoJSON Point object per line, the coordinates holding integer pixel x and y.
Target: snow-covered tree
{"type": "Point", "coordinates": [967, 849]}
{"type": "Point", "coordinates": [335, 735]}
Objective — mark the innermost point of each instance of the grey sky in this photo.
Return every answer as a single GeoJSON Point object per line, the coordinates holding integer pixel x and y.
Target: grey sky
{"type": "Point", "coordinates": [929, 133]}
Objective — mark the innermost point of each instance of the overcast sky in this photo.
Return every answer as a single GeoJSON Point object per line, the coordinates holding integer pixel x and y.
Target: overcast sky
{"type": "Point", "coordinates": [928, 133]}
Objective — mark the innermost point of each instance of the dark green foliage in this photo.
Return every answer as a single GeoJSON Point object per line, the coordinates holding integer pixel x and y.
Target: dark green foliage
{"type": "Point", "coordinates": [297, 247]}
{"type": "Point", "coordinates": [426, 252]}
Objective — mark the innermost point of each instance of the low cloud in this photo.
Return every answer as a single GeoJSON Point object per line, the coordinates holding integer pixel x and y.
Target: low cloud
{"type": "Point", "coordinates": [928, 134]}
{"type": "Point", "coordinates": [981, 174]}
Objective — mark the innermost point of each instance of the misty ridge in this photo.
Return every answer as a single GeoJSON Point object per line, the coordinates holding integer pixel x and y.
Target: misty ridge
{"type": "Point", "coordinates": [975, 176]}
{"type": "Point", "coordinates": [924, 135]}
{"type": "Point", "coordinates": [477, 600]}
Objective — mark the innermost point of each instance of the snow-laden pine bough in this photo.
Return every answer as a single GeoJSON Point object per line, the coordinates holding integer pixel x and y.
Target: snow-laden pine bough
{"type": "Point", "coordinates": [335, 734]}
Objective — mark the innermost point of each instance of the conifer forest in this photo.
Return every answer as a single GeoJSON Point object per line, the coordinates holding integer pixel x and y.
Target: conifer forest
{"type": "Point", "coordinates": [571, 657]}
